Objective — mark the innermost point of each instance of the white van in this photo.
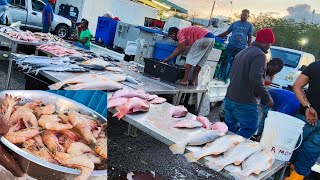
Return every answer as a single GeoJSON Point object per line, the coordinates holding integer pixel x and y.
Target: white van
{"type": "Point", "coordinates": [294, 62]}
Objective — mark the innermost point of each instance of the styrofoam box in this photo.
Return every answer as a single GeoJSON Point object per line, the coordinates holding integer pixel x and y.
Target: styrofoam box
{"type": "Point", "coordinates": [214, 55]}
{"type": "Point", "coordinates": [217, 90]}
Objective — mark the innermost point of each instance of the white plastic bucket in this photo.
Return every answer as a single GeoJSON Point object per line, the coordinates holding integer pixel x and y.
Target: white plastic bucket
{"type": "Point", "coordinates": [281, 134]}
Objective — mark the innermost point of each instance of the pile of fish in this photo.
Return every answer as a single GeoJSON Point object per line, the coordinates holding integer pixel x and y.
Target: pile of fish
{"type": "Point", "coordinates": [128, 102]}
{"type": "Point", "coordinates": [61, 51]}
{"type": "Point", "coordinates": [91, 82]}
{"type": "Point", "coordinates": [36, 37]}
{"type": "Point", "coordinates": [64, 138]}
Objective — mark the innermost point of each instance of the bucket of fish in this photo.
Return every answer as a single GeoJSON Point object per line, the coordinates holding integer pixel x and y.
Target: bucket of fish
{"type": "Point", "coordinates": [46, 138]}
{"type": "Point", "coordinates": [281, 134]}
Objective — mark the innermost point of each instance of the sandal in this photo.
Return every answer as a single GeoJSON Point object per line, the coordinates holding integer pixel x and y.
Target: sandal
{"type": "Point", "coordinates": [182, 83]}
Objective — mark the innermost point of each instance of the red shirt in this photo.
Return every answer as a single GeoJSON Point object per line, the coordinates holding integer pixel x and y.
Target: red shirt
{"type": "Point", "coordinates": [189, 35]}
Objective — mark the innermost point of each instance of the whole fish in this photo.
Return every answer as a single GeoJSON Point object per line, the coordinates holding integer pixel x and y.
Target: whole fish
{"type": "Point", "coordinates": [235, 155]}
{"type": "Point", "coordinates": [205, 122]}
{"type": "Point", "coordinates": [88, 82]}
{"type": "Point", "coordinates": [178, 111]}
{"type": "Point", "coordinates": [96, 61]}
{"type": "Point", "coordinates": [220, 126]}
{"type": "Point", "coordinates": [198, 139]}
{"type": "Point", "coordinates": [158, 100]}
{"type": "Point", "coordinates": [188, 123]}
{"type": "Point", "coordinates": [256, 163]}
{"type": "Point", "coordinates": [130, 94]}
{"type": "Point", "coordinates": [116, 102]}
{"type": "Point", "coordinates": [117, 77]}
{"type": "Point", "coordinates": [132, 105]}
{"type": "Point", "coordinates": [106, 85]}
{"type": "Point", "coordinates": [133, 80]}
{"type": "Point", "coordinates": [152, 97]}
{"type": "Point", "coordinates": [217, 147]}
{"type": "Point", "coordinates": [114, 69]}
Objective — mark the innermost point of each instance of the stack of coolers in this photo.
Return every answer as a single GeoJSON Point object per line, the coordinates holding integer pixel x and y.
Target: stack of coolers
{"type": "Point", "coordinates": [106, 30]}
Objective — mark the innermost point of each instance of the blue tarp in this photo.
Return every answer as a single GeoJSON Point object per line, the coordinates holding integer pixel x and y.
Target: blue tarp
{"type": "Point", "coordinates": [96, 100]}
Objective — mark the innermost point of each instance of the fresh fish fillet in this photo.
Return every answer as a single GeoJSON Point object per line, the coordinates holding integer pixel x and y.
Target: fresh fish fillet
{"type": "Point", "coordinates": [132, 105]}
{"type": "Point", "coordinates": [178, 111]}
{"type": "Point", "coordinates": [217, 147]}
{"type": "Point", "coordinates": [96, 85]}
{"type": "Point", "coordinates": [220, 126]}
{"type": "Point", "coordinates": [116, 102]}
{"type": "Point", "coordinates": [188, 123]}
{"type": "Point", "coordinates": [255, 164]}
{"type": "Point", "coordinates": [235, 155]}
{"type": "Point", "coordinates": [114, 69]}
{"type": "Point", "coordinates": [130, 94]}
{"type": "Point", "coordinates": [205, 122]}
{"type": "Point", "coordinates": [198, 139]}
{"type": "Point", "coordinates": [158, 100]}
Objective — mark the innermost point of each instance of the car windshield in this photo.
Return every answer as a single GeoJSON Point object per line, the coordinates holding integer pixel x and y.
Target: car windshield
{"type": "Point", "coordinates": [290, 59]}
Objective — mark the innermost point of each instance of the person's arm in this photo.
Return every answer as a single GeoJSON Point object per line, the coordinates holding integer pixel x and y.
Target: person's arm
{"type": "Point", "coordinates": [256, 79]}
{"type": "Point", "coordinates": [249, 39]}
{"type": "Point", "coordinates": [224, 33]}
{"type": "Point", "coordinates": [49, 19]}
{"type": "Point", "coordinates": [181, 47]}
{"type": "Point", "coordinates": [310, 113]}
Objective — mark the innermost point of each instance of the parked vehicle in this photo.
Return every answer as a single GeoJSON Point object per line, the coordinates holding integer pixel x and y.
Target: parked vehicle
{"type": "Point", "coordinates": [29, 12]}
{"type": "Point", "coordinates": [294, 62]}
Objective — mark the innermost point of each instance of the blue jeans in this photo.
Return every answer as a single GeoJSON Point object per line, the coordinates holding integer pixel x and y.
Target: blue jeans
{"type": "Point", "coordinates": [45, 28]}
{"type": "Point", "coordinates": [231, 53]}
{"type": "Point", "coordinates": [82, 46]}
{"type": "Point", "coordinates": [240, 118]}
{"type": "Point", "coordinates": [262, 118]}
{"type": "Point", "coordinates": [309, 151]}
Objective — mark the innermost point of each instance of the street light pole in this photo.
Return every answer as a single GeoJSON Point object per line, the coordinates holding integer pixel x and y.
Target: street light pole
{"type": "Point", "coordinates": [231, 9]}
{"type": "Point", "coordinates": [214, 4]}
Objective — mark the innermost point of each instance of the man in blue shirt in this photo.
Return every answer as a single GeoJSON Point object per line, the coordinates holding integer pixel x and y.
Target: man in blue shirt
{"type": "Point", "coordinates": [241, 37]}
{"type": "Point", "coordinates": [47, 17]}
{"type": "Point", "coordinates": [4, 6]}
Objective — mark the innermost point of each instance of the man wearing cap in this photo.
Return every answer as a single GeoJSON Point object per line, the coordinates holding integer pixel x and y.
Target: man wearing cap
{"type": "Point", "coordinates": [247, 78]}
{"type": "Point", "coordinates": [47, 17]}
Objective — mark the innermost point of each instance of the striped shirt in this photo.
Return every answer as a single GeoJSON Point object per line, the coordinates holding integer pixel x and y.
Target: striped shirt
{"type": "Point", "coordinates": [189, 35]}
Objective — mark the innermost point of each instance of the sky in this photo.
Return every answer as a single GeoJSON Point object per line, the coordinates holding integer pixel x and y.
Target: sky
{"type": "Point", "coordinates": [279, 8]}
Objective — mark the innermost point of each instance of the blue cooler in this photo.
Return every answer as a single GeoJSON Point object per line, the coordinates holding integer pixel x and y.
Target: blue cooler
{"type": "Point", "coordinates": [163, 51]}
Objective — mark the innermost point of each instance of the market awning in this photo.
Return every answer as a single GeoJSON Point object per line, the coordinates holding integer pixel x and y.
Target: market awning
{"type": "Point", "coordinates": [164, 5]}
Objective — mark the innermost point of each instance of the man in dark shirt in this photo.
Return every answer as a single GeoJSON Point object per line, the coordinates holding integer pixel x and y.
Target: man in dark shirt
{"type": "Point", "coordinates": [247, 82]}
{"type": "Point", "coordinates": [308, 153]}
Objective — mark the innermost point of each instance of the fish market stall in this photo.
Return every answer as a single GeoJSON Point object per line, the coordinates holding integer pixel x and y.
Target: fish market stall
{"type": "Point", "coordinates": [160, 122]}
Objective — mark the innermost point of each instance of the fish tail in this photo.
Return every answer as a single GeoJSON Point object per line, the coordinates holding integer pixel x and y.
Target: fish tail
{"type": "Point", "coordinates": [190, 157]}
{"type": "Point", "coordinates": [56, 86]}
{"type": "Point", "coordinates": [121, 112]}
{"type": "Point", "coordinates": [216, 165]}
{"type": "Point", "coordinates": [177, 148]}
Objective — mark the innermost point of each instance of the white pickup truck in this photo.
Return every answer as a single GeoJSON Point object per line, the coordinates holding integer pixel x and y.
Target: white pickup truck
{"type": "Point", "coordinates": [29, 13]}
{"type": "Point", "coordinates": [294, 62]}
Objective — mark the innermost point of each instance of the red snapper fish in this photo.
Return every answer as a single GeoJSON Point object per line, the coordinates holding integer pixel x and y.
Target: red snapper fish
{"type": "Point", "coordinates": [178, 111]}
{"type": "Point", "coordinates": [131, 106]}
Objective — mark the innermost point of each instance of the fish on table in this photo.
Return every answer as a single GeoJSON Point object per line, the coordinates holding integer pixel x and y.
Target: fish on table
{"type": "Point", "coordinates": [188, 123]}
{"type": "Point", "coordinates": [178, 111]}
{"type": "Point", "coordinates": [132, 105]}
{"type": "Point", "coordinates": [216, 147]}
{"type": "Point", "coordinates": [195, 140]}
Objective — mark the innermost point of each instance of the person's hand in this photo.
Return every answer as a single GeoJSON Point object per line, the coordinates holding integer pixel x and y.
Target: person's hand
{"type": "Point", "coordinates": [166, 60]}
{"type": "Point", "coordinates": [270, 104]}
{"type": "Point", "coordinates": [311, 116]}
{"type": "Point", "coordinates": [50, 28]}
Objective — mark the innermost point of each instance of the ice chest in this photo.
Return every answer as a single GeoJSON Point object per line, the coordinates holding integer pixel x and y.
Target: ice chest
{"type": "Point", "coordinates": [167, 72]}
{"type": "Point", "coordinates": [163, 51]}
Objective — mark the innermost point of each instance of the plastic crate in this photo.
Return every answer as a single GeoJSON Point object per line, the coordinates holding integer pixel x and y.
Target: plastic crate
{"type": "Point", "coordinates": [163, 51]}
{"type": "Point", "coordinates": [106, 30]}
